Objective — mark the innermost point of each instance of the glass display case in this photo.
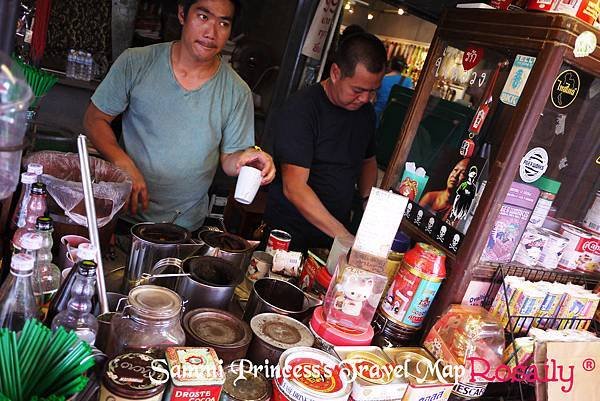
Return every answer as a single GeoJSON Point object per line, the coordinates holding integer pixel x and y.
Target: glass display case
{"type": "Point", "coordinates": [500, 148]}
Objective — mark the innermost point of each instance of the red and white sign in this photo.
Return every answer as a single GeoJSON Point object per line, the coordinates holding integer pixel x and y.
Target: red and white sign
{"type": "Point", "coordinates": [472, 57]}
{"type": "Point", "coordinates": [319, 28]}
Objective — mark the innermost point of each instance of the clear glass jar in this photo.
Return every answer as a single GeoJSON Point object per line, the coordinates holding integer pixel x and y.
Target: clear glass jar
{"type": "Point", "coordinates": [150, 322]}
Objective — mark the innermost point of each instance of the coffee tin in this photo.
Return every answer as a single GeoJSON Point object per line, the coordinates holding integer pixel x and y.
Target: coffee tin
{"type": "Point", "coordinates": [196, 374]}
{"type": "Point", "coordinates": [131, 377]}
{"type": "Point", "coordinates": [278, 239]}
{"type": "Point", "coordinates": [592, 217]}
{"type": "Point", "coordinates": [553, 249]}
{"type": "Point", "coordinates": [374, 372]}
{"type": "Point", "coordinates": [582, 252]}
{"type": "Point", "coordinates": [242, 384]}
{"type": "Point", "coordinates": [309, 374]}
{"type": "Point", "coordinates": [530, 247]}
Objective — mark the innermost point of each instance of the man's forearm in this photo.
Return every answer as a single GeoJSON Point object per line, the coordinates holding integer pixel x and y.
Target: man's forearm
{"type": "Point", "coordinates": [313, 210]}
{"type": "Point", "coordinates": [368, 177]}
{"type": "Point", "coordinates": [229, 162]}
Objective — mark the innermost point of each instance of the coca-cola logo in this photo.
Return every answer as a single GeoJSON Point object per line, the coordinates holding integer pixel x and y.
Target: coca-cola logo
{"type": "Point", "coordinates": [591, 246]}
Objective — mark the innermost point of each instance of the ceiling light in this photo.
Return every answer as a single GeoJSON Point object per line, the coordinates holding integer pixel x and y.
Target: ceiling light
{"type": "Point", "coordinates": [370, 16]}
{"type": "Point", "coordinates": [351, 11]}
{"type": "Point", "coordinates": [400, 11]}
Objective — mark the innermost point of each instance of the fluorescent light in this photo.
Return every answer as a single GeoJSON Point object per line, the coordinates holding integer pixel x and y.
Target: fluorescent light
{"type": "Point", "coordinates": [400, 11]}
{"type": "Point", "coordinates": [370, 16]}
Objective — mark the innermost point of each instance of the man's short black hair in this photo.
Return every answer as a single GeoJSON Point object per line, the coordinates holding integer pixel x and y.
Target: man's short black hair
{"type": "Point", "coordinates": [363, 48]}
{"type": "Point", "coordinates": [397, 63]}
{"type": "Point", "coordinates": [186, 4]}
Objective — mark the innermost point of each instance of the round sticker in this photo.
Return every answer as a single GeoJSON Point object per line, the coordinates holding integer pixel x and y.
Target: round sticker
{"type": "Point", "coordinates": [533, 165]}
{"type": "Point", "coordinates": [565, 89]}
{"type": "Point", "coordinates": [585, 44]}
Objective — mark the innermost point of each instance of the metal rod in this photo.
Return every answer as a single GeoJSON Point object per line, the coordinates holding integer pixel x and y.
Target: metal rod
{"type": "Point", "coordinates": [90, 210]}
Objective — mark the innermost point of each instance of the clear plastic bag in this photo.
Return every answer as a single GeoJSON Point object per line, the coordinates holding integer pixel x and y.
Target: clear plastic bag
{"type": "Point", "coordinates": [62, 176]}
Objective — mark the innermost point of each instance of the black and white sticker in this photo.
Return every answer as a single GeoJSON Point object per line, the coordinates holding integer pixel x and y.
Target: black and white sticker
{"type": "Point", "coordinates": [565, 88]}
{"type": "Point", "coordinates": [533, 165]}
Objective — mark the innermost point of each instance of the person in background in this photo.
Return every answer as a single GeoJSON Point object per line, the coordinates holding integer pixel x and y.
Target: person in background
{"type": "Point", "coordinates": [394, 77]}
{"type": "Point", "coordinates": [184, 112]}
{"type": "Point", "coordinates": [440, 202]}
{"type": "Point", "coordinates": [325, 147]}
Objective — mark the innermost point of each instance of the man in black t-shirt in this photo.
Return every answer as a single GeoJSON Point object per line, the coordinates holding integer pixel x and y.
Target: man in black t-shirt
{"type": "Point", "coordinates": [325, 146]}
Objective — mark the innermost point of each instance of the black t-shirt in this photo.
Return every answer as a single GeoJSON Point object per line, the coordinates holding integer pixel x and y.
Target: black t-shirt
{"type": "Point", "coordinates": [332, 142]}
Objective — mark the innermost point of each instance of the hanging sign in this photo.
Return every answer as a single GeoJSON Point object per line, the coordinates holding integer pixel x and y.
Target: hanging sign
{"type": "Point", "coordinates": [565, 89]}
{"type": "Point", "coordinates": [533, 165]}
{"type": "Point", "coordinates": [472, 57]}
{"type": "Point", "coordinates": [321, 23]}
{"type": "Point", "coordinates": [517, 78]}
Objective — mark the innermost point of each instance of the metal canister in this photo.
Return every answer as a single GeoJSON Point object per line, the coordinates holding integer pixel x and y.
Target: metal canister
{"type": "Point", "coordinates": [196, 374]}
{"type": "Point", "coordinates": [130, 377]}
{"type": "Point", "coordinates": [530, 247]}
{"type": "Point", "coordinates": [581, 250]}
{"type": "Point", "coordinates": [244, 385]}
{"type": "Point", "coordinates": [415, 286]}
{"type": "Point", "coordinates": [229, 336]}
{"type": "Point", "coordinates": [592, 218]}
{"type": "Point", "coordinates": [278, 239]}
{"type": "Point", "coordinates": [273, 334]}
{"type": "Point", "coordinates": [553, 249]}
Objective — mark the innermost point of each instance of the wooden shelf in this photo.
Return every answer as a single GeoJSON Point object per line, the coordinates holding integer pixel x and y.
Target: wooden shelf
{"type": "Point", "coordinates": [414, 233]}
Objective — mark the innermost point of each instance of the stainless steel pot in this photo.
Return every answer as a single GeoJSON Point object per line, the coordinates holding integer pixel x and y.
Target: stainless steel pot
{"type": "Point", "coordinates": [230, 247]}
{"type": "Point", "coordinates": [210, 284]}
{"type": "Point", "coordinates": [281, 297]}
{"type": "Point", "coordinates": [151, 242]}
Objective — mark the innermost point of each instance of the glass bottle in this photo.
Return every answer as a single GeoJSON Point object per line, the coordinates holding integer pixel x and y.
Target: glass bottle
{"type": "Point", "coordinates": [149, 323]}
{"type": "Point", "coordinates": [17, 302]}
{"type": "Point", "coordinates": [18, 219]}
{"type": "Point", "coordinates": [47, 274]}
{"type": "Point", "coordinates": [78, 316]}
{"type": "Point", "coordinates": [36, 208]}
{"type": "Point", "coordinates": [59, 302]}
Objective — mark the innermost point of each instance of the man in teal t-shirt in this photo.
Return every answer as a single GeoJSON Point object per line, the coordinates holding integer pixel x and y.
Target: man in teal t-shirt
{"type": "Point", "coordinates": [184, 111]}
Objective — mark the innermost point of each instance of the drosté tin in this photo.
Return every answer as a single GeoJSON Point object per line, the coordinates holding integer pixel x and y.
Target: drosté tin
{"type": "Point", "coordinates": [374, 372]}
{"type": "Point", "coordinates": [308, 374]}
{"type": "Point", "coordinates": [196, 374]}
{"type": "Point", "coordinates": [244, 385]}
{"type": "Point", "coordinates": [131, 377]}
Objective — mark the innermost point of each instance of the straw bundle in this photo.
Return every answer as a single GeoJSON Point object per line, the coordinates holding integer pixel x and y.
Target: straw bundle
{"type": "Point", "coordinates": [40, 82]}
{"type": "Point", "coordinates": [41, 364]}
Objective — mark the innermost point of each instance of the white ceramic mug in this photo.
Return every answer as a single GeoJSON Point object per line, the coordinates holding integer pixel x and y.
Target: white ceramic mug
{"type": "Point", "coordinates": [247, 184]}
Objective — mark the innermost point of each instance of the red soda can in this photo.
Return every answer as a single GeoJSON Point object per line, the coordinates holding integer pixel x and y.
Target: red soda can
{"type": "Point", "coordinates": [278, 239]}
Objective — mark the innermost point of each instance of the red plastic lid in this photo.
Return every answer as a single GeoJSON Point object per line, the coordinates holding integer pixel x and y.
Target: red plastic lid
{"type": "Point", "coordinates": [428, 259]}
{"type": "Point", "coordinates": [336, 335]}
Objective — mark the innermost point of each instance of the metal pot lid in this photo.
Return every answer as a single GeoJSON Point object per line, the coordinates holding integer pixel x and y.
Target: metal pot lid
{"type": "Point", "coordinates": [154, 302]}
{"type": "Point", "coordinates": [224, 241]}
{"type": "Point", "coordinates": [212, 271]}
{"type": "Point", "coordinates": [161, 233]}
{"type": "Point", "coordinates": [217, 328]}
{"type": "Point", "coordinates": [280, 331]}
{"type": "Point", "coordinates": [251, 387]}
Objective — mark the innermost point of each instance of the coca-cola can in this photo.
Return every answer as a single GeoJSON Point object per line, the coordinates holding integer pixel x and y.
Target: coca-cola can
{"type": "Point", "coordinates": [278, 239]}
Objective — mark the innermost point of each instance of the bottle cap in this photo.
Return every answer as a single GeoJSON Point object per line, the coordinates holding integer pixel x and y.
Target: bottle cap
{"type": "Point", "coordinates": [35, 168]}
{"type": "Point", "coordinates": [22, 263]}
{"type": "Point", "coordinates": [86, 251]}
{"type": "Point", "coordinates": [38, 189]}
{"type": "Point", "coordinates": [31, 241]}
{"type": "Point", "coordinates": [28, 178]}
{"type": "Point", "coordinates": [44, 224]}
{"type": "Point", "coordinates": [87, 268]}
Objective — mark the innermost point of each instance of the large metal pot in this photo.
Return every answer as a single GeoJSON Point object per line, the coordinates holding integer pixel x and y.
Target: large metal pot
{"type": "Point", "coordinates": [230, 247]}
{"type": "Point", "coordinates": [210, 284]}
{"type": "Point", "coordinates": [281, 297]}
{"type": "Point", "coordinates": [151, 242]}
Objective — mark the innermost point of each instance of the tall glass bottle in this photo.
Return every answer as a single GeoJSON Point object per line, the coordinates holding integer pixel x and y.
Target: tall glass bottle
{"type": "Point", "coordinates": [46, 274]}
{"type": "Point", "coordinates": [18, 218]}
{"type": "Point", "coordinates": [78, 316]}
{"type": "Point", "coordinates": [59, 302]}
{"type": "Point", "coordinates": [36, 208]}
{"type": "Point", "coordinates": [17, 302]}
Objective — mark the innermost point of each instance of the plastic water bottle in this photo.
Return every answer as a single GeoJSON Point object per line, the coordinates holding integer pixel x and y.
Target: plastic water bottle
{"type": "Point", "coordinates": [78, 65]}
{"type": "Point", "coordinates": [70, 63]}
{"type": "Point", "coordinates": [89, 65]}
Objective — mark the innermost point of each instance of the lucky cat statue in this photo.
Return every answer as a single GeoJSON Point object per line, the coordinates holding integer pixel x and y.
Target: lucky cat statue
{"type": "Point", "coordinates": [355, 291]}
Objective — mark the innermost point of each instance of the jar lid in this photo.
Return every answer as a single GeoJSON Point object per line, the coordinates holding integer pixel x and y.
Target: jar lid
{"type": "Point", "coordinates": [44, 223]}
{"type": "Point", "coordinates": [218, 328]}
{"type": "Point", "coordinates": [22, 263]}
{"type": "Point", "coordinates": [154, 302]}
{"type": "Point", "coordinates": [280, 331]}
{"type": "Point", "coordinates": [28, 178]}
{"type": "Point", "coordinates": [38, 188]}
{"type": "Point", "coordinates": [161, 233]}
{"type": "Point", "coordinates": [31, 241]}
{"type": "Point", "coordinates": [251, 386]}
{"type": "Point", "coordinates": [337, 335]}
{"type": "Point", "coordinates": [417, 362]}
{"type": "Point", "coordinates": [35, 168]}
{"type": "Point", "coordinates": [86, 251]}
{"type": "Point", "coordinates": [132, 376]}
{"type": "Point", "coordinates": [427, 259]}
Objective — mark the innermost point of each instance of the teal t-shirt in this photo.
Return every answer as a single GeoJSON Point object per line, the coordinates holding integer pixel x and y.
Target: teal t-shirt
{"type": "Point", "coordinates": [173, 135]}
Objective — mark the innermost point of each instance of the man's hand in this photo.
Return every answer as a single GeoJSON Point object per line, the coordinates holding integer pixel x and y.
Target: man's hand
{"type": "Point", "coordinates": [139, 190]}
{"type": "Point", "coordinates": [233, 162]}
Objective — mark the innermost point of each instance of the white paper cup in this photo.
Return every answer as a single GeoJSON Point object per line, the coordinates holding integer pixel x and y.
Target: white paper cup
{"type": "Point", "coordinates": [247, 184]}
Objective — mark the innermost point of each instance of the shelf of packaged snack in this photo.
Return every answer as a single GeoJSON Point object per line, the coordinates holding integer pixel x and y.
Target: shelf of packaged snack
{"type": "Point", "coordinates": [417, 235]}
